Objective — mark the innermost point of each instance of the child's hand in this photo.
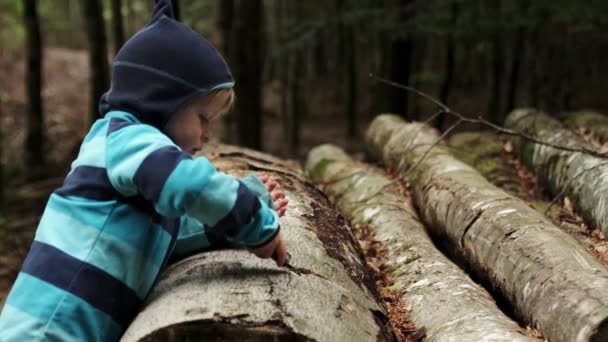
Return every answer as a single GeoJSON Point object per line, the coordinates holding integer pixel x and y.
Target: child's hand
{"type": "Point", "coordinates": [278, 197]}
{"type": "Point", "coordinates": [275, 249]}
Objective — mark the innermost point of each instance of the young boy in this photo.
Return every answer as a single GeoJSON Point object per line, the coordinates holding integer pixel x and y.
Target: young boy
{"type": "Point", "coordinates": [134, 195]}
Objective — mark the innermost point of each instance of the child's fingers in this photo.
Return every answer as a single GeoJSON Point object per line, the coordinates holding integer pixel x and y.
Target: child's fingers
{"type": "Point", "coordinates": [277, 194]}
{"type": "Point", "coordinates": [280, 255]}
{"type": "Point", "coordinates": [264, 178]}
{"type": "Point", "coordinates": [281, 211]}
{"type": "Point", "coordinates": [271, 185]}
{"type": "Point", "coordinates": [280, 204]}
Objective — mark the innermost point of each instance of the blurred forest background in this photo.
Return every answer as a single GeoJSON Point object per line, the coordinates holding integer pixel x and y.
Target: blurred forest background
{"type": "Point", "coordinates": [302, 70]}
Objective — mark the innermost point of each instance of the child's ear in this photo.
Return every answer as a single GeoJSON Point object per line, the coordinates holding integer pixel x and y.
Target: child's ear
{"type": "Point", "coordinates": [163, 7]}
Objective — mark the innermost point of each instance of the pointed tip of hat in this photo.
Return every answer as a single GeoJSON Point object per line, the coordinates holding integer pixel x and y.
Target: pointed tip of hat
{"type": "Point", "coordinates": [163, 7]}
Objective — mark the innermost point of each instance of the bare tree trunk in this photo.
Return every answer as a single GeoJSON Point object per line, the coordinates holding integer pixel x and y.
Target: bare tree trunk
{"type": "Point", "coordinates": [351, 108]}
{"type": "Point", "coordinates": [494, 106]}
{"type": "Point", "coordinates": [548, 277]}
{"type": "Point", "coordinates": [98, 53]}
{"type": "Point", "coordinates": [176, 10]}
{"type": "Point", "coordinates": [35, 139]}
{"type": "Point", "coordinates": [396, 62]}
{"type": "Point", "coordinates": [441, 297]}
{"type": "Point", "coordinates": [2, 190]}
{"type": "Point", "coordinates": [400, 58]}
{"type": "Point", "coordinates": [297, 103]}
{"type": "Point", "coordinates": [450, 61]}
{"type": "Point", "coordinates": [282, 18]}
{"type": "Point", "coordinates": [117, 26]}
{"type": "Point", "coordinates": [225, 24]}
{"type": "Point", "coordinates": [517, 56]}
{"type": "Point", "coordinates": [297, 89]}
{"type": "Point", "coordinates": [581, 176]}
{"type": "Point", "coordinates": [327, 294]}
{"type": "Point", "coordinates": [247, 68]}
{"type": "Point", "coordinates": [516, 61]}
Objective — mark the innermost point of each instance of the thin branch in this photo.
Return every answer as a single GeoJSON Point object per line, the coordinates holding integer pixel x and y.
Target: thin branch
{"type": "Point", "coordinates": [480, 120]}
{"type": "Point", "coordinates": [413, 90]}
{"type": "Point", "coordinates": [487, 123]}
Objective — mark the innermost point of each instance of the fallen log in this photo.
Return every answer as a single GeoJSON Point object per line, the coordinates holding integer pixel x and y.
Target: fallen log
{"type": "Point", "coordinates": [326, 294]}
{"type": "Point", "coordinates": [596, 123]}
{"type": "Point", "coordinates": [550, 280]}
{"type": "Point", "coordinates": [442, 299]}
{"type": "Point", "coordinates": [484, 151]}
{"type": "Point", "coordinates": [581, 177]}
{"type": "Point", "coordinates": [487, 154]}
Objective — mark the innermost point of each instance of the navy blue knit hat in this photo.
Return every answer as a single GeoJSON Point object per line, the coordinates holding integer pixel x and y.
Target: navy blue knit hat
{"type": "Point", "coordinates": [163, 67]}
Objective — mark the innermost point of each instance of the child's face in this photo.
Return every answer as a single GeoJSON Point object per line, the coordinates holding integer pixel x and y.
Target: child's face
{"type": "Point", "coordinates": [189, 127]}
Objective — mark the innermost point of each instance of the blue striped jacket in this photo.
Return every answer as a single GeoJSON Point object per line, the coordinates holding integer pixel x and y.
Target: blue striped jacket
{"type": "Point", "coordinates": [131, 200]}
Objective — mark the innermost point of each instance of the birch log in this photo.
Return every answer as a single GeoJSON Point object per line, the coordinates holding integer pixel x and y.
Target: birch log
{"type": "Point", "coordinates": [442, 299]}
{"type": "Point", "coordinates": [595, 122]}
{"type": "Point", "coordinates": [328, 294]}
{"type": "Point", "coordinates": [550, 280]}
{"type": "Point", "coordinates": [484, 151]}
{"type": "Point", "coordinates": [584, 177]}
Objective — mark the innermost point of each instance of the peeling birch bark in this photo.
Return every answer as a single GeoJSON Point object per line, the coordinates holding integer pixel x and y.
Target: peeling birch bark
{"type": "Point", "coordinates": [550, 280]}
{"type": "Point", "coordinates": [328, 294]}
{"type": "Point", "coordinates": [442, 299]}
{"type": "Point", "coordinates": [485, 152]}
{"type": "Point", "coordinates": [583, 176]}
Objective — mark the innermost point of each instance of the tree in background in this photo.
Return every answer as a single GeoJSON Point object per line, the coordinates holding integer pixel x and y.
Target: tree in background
{"type": "Point", "coordinates": [176, 10]}
{"type": "Point", "coordinates": [247, 65]}
{"type": "Point", "coordinates": [352, 81]}
{"type": "Point", "coordinates": [396, 54]}
{"type": "Point", "coordinates": [498, 63]}
{"type": "Point", "coordinates": [35, 139]}
{"type": "Point", "coordinates": [2, 179]}
{"type": "Point", "coordinates": [450, 63]}
{"type": "Point", "coordinates": [117, 26]}
{"type": "Point", "coordinates": [224, 25]}
{"type": "Point", "coordinates": [98, 55]}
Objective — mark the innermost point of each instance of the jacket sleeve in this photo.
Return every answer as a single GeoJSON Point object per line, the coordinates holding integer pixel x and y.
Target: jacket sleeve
{"type": "Point", "coordinates": [143, 161]}
{"type": "Point", "coordinates": [191, 238]}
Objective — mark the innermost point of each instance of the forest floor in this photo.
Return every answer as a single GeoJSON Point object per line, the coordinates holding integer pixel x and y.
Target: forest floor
{"type": "Point", "coordinates": [65, 101]}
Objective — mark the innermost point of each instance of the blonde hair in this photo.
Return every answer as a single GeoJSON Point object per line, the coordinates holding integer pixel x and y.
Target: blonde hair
{"type": "Point", "coordinates": [223, 98]}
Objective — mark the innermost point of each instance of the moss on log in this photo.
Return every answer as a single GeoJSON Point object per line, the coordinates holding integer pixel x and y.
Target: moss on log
{"type": "Point", "coordinates": [550, 280]}
{"type": "Point", "coordinates": [485, 152]}
{"type": "Point", "coordinates": [584, 177]}
{"type": "Point", "coordinates": [442, 299]}
{"type": "Point", "coordinates": [328, 293]}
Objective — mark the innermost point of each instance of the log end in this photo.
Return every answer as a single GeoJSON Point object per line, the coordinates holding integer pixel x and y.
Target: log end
{"type": "Point", "coordinates": [515, 116]}
{"type": "Point", "coordinates": [380, 131]}
{"type": "Point", "coordinates": [217, 330]}
{"type": "Point", "coordinates": [320, 158]}
{"type": "Point", "coordinates": [601, 333]}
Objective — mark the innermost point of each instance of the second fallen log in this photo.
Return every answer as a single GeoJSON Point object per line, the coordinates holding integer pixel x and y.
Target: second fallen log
{"type": "Point", "coordinates": [442, 299]}
{"type": "Point", "coordinates": [550, 280]}
{"type": "Point", "coordinates": [582, 177]}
